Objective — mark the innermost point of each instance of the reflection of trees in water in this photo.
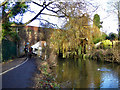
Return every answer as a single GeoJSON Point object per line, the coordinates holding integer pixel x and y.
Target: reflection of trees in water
{"type": "Point", "coordinates": [82, 73]}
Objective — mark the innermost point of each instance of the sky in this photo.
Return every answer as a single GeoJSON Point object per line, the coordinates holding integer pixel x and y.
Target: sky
{"type": "Point", "coordinates": [110, 22]}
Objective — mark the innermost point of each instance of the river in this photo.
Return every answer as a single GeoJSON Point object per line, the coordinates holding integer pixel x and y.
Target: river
{"type": "Point", "coordinates": [80, 73]}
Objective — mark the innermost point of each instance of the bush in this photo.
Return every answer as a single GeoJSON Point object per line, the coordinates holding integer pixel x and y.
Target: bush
{"type": "Point", "coordinates": [98, 39]}
{"type": "Point", "coordinates": [113, 36]}
{"type": "Point", "coordinates": [106, 44]}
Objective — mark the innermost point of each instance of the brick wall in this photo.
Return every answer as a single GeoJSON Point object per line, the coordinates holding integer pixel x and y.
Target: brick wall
{"type": "Point", "coordinates": [32, 35]}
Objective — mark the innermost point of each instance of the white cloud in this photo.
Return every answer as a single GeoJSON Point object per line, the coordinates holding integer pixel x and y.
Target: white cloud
{"type": "Point", "coordinates": [110, 22]}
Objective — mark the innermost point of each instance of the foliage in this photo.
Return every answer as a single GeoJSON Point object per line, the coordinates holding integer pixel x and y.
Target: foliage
{"type": "Point", "coordinates": [110, 54]}
{"type": "Point", "coordinates": [119, 35]}
{"type": "Point", "coordinates": [10, 10]}
{"type": "Point", "coordinates": [71, 41]}
{"type": "Point", "coordinates": [96, 21]}
{"type": "Point", "coordinates": [100, 38]}
{"type": "Point", "coordinates": [77, 33]}
{"type": "Point", "coordinates": [8, 32]}
{"type": "Point", "coordinates": [104, 35]}
{"type": "Point", "coordinates": [106, 44]}
{"type": "Point", "coordinates": [113, 36]}
{"type": "Point", "coordinates": [18, 8]}
{"type": "Point", "coordinates": [45, 78]}
{"type": "Point", "coordinates": [96, 34]}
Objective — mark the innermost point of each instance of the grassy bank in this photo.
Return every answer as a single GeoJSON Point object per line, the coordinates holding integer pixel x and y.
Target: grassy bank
{"type": "Point", "coordinates": [44, 77]}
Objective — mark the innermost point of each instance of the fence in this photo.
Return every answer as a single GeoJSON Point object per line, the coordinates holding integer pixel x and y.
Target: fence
{"type": "Point", "coordinates": [9, 50]}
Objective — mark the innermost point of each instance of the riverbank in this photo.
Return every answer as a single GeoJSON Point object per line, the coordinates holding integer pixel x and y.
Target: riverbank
{"type": "Point", "coordinates": [44, 77]}
{"type": "Point", "coordinates": [108, 55]}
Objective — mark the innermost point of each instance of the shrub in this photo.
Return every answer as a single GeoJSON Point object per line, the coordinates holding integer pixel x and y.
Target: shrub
{"type": "Point", "coordinates": [106, 44]}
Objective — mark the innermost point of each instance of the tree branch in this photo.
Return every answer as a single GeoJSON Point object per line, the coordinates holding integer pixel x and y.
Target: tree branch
{"type": "Point", "coordinates": [38, 13]}
{"type": "Point", "coordinates": [31, 11]}
{"type": "Point", "coordinates": [4, 3]}
{"type": "Point", "coordinates": [52, 10]}
{"type": "Point", "coordinates": [53, 15]}
{"type": "Point", "coordinates": [37, 4]}
{"type": "Point", "coordinates": [48, 22]}
{"type": "Point", "coordinates": [7, 14]}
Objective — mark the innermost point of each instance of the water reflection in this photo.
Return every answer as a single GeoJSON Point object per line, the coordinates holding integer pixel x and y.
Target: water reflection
{"type": "Point", "coordinates": [109, 79]}
{"type": "Point", "coordinates": [85, 74]}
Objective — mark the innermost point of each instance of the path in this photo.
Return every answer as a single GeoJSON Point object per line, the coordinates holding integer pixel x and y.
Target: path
{"type": "Point", "coordinates": [19, 77]}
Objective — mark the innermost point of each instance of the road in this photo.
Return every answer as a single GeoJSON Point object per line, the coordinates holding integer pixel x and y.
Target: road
{"type": "Point", "coordinates": [20, 77]}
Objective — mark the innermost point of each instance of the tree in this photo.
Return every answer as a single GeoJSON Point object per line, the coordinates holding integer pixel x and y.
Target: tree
{"type": "Point", "coordinates": [56, 9]}
{"type": "Point", "coordinates": [117, 6]}
{"type": "Point", "coordinates": [113, 36]}
{"type": "Point", "coordinates": [96, 21]}
{"type": "Point", "coordinates": [76, 30]}
{"type": "Point", "coordinates": [96, 33]}
{"type": "Point", "coordinates": [10, 10]}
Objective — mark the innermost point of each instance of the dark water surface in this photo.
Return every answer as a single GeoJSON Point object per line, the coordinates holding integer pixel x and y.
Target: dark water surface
{"type": "Point", "coordinates": [87, 74]}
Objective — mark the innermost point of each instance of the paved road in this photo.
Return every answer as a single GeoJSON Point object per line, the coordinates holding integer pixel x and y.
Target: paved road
{"type": "Point", "coordinates": [10, 64]}
{"type": "Point", "coordinates": [19, 77]}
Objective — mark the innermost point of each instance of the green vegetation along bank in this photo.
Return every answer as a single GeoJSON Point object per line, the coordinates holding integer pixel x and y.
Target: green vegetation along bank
{"type": "Point", "coordinates": [107, 53]}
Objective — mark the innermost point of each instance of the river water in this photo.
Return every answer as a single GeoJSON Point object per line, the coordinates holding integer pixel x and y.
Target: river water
{"type": "Point", "coordinates": [80, 73]}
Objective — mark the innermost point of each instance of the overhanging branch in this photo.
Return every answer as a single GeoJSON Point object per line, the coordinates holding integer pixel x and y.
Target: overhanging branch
{"type": "Point", "coordinates": [4, 3]}
{"type": "Point", "coordinates": [37, 4]}
{"type": "Point", "coordinates": [38, 13]}
{"type": "Point", "coordinates": [52, 10]}
{"type": "Point", "coordinates": [48, 22]}
{"type": "Point", "coordinates": [52, 15]}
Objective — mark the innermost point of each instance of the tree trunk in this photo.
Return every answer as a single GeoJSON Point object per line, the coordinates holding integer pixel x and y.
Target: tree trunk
{"type": "Point", "coordinates": [119, 20]}
{"type": "Point", "coordinates": [0, 41]}
{"type": "Point", "coordinates": [4, 18]}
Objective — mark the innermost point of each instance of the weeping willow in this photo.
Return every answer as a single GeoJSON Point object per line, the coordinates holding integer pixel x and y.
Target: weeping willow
{"type": "Point", "coordinates": [77, 34]}
{"type": "Point", "coordinates": [70, 42]}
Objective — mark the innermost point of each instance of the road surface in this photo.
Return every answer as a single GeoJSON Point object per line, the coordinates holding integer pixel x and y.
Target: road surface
{"type": "Point", "coordinates": [19, 77]}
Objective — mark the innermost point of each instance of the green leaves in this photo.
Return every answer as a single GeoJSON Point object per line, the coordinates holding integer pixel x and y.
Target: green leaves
{"type": "Point", "coordinates": [19, 8]}
{"type": "Point", "coordinates": [106, 44]}
{"type": "Point", "coordinates": [10, 10]}
{"type": "Point", "coordinates": [96, 21]}
{"type": "Point", "coordinates": [69, 41]}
